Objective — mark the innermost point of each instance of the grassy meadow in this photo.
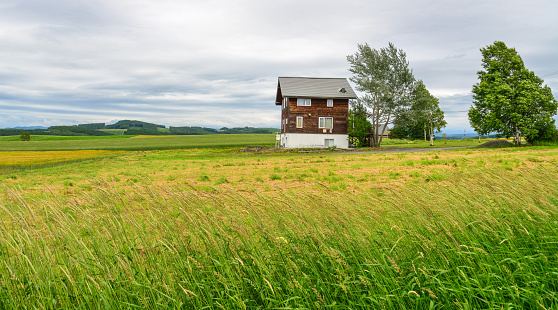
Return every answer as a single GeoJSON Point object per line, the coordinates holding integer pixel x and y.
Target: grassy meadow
{"type": "Point", "coordinates": [437, 143]}
{"type": "Point", "coordinates": [214, 228]}
{"type": "Point", "coordinates": [134, 143]}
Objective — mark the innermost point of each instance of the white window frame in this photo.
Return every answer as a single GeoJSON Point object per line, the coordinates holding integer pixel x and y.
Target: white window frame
{"type": "Point", "coordinates": [330, 103]}
{"type": "Point", "coordinates": [303, 102]}
{"type": "Point", "coordinates": [321, 123]}
{"type": "Point", "coordinates": [299, 122]}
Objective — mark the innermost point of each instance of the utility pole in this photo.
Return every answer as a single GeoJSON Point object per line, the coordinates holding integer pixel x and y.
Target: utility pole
{"type": "Point", "coordinates": [464, 131]}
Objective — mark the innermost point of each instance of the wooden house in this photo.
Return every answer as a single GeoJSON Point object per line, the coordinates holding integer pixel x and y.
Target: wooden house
{"type": "Point", "coordinates": [314, 111]}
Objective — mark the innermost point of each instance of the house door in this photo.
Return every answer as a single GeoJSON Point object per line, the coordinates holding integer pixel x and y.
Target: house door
{"type": "Point", "coordinates": [329, 142]}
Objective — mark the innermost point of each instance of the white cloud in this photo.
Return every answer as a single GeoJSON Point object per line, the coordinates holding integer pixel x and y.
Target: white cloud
{"type": "Point", "coordinates": [216, 62]}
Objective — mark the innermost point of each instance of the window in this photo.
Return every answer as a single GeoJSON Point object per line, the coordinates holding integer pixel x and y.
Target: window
{"type": "Point", "coordinates": [285, 102]}
{"type": "Point", "coordinates": [303, 102]}
{"type": "Point", "coordinates": [326, 122]}
{"type": "Point", "coordinates": [330, 102]}
{"type": "Point", "coordinates": [299, 122]}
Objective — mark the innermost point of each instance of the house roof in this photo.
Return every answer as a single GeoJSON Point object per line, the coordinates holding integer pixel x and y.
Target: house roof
{"type": "Point", "coordinates": [334, 88]}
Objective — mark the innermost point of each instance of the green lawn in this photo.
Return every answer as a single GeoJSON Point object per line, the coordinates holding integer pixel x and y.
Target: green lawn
{"type": "Point", "coordinates": [54, 138]}
{"type": "Point", "coordinates": [437, 143]}
{"type": "Point", "coordinates": [42, 143]}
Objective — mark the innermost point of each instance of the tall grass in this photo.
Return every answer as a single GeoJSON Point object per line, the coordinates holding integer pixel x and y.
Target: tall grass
{"type": "Point", "coordinates": [483, 239]}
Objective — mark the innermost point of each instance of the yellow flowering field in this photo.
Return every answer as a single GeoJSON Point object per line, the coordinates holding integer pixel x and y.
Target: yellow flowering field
{"type": "Point", "coordinates": [31, 158]}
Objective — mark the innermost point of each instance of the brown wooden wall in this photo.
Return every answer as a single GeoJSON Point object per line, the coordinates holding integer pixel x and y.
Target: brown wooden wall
{"type": "Point", "coordinates": [311, 115]}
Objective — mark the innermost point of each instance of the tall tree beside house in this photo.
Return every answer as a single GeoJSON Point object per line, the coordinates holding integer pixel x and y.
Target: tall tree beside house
{"type": "Point", "coordinates": [359, 126]}
{"type": "Point", "coordinates": [385, 79]}
{"type": "Point", "coordinates": [509, 99]}
{"type": "Point", "coordinates": [424, 116]}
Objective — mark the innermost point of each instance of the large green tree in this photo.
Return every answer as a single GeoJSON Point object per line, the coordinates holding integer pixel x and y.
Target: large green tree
{"type": "Point", "coordinates": [509, 99]}
{"type": "Point", "coordinates": [424, 115]}
{"type": "Point", "coordinates": [385, 79]}
{"type": "Point", "coordinates": [359, 126]}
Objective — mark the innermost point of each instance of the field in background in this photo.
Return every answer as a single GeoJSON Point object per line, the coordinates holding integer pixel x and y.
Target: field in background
{"type": "Point", "coordinates": [437, 143]}
{"type": "Point", "coordinates": [38, 143]}
{"type": "Point", "coordinates": [138, 142]}
{"type": "Point", "coordinates": [36, 138]}
{"type": "Point", "coordinates": [216, 228]}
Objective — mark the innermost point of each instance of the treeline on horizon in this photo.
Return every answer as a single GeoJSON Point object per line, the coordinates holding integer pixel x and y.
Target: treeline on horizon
{"type": "Point", "coordinates": [129, 127]}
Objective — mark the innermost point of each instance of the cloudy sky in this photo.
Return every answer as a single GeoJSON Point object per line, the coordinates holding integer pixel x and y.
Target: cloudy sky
{"type": "Point", "coordinates": [215, 63]}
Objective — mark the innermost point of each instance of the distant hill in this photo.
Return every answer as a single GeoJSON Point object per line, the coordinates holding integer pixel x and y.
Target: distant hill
{"type": "Point", "coordinates": [187, 130]}
{"type": "Point", "coordinates": [29, 128]}
{"type": "Point", "coordinates": [94, 126]}
{"type": "Point", "coordinates": [126, 124]}
{"type": "Point", "coordinates": [55, 131]}
{"type": "Point", "coordinates": [132, 127]}
{"type": "Point", "coordinates": [74, 131]}
{"type": "Point", "coordinates": [240, 130]}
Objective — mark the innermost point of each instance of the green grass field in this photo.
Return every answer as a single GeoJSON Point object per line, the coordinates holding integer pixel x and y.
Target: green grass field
{"type": "Point", "coordinates": [437, 143]}
{"type": "Point", "coordinates": [35, 138]}
{"type": "Point", "coordinates": [212, 228]}
{"type": "Point", "coordinates": [46, 143]}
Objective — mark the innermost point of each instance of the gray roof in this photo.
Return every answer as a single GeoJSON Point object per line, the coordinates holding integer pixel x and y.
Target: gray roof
{"type": "Point", "coordinates": [315, 88]}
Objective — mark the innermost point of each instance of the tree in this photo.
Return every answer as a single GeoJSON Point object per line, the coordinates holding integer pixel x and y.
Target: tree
{"type": "Point", "coordinates": [424, 115]}
{"type": "Point", "coordinates": [25, 136]}
{"type": "Point", "coordinates": [509, 99]}
{"type": "Point", "coordinates": [426, 108]}
{"type": "Point", "coordinates": [386, 80]}
{"type": "Point", "coordinates": [359, 126]}
{"type": "Point", "coordinates": [407, 131]}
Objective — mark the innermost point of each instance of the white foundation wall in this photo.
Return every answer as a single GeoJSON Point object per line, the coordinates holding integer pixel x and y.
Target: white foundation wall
{"type": "Point", "coordinates": [308, 140]}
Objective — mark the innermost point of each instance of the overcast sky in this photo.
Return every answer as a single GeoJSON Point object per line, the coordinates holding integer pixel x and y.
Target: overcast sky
{"type": "Point", "coordinates": [215, 63]}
